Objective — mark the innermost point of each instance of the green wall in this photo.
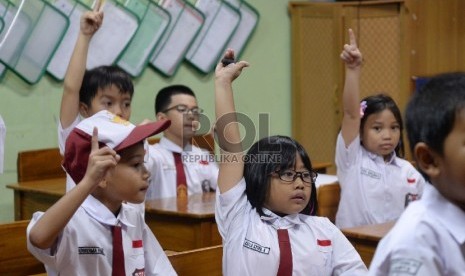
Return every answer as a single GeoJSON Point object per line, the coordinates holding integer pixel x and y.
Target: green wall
{"type": "Point", "coordinates": [31, 112]}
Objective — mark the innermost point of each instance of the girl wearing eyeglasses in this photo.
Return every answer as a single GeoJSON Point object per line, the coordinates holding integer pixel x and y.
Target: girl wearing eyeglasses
{"type": "Point", "coordinates": [266, 202]}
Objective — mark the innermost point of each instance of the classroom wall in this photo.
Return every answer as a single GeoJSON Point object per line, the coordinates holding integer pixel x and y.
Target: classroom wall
{"type": "Point", "coordinates": [31, 112]}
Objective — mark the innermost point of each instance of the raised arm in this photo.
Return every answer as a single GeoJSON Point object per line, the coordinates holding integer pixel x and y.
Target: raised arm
{"type": "Point", "coordinates": [231, 166]}
{"type": "Point", "coordinates": [352, 58]}
{"type": "Point", "coordinates": [90, 23]}
{"type": "Point", "coordinates": [46, 230]}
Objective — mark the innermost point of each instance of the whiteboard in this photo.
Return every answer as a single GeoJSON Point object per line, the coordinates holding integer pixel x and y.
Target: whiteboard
{"type": "Point", "coordinates": [184, 26]}
{"type": "Point", "coordinates": [221, 20]}
{"type": "Point", "coordinates": [154, 23]}
{"type": "Point", "coordinates": [248, 24]}
{"type": "Point", "coordinates": [35, 28]}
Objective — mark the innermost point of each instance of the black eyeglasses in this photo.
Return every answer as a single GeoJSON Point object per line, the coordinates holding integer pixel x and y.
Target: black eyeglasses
{"type": "Point", "coordinates": [182, 108]}
{"type": "Point", "coordinates": [290, 176]}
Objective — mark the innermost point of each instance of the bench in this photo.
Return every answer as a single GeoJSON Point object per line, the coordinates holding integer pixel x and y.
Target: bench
{"type": "Point", "coordinates": [15, 259]}
{"type": "Point", "coordinates": [39, 164]}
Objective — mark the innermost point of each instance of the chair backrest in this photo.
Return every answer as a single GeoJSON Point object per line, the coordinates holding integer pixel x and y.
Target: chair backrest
{"type": "Point", "coordinates": [328, 200]}
{"type": "Point", "coordinates": [39, 164]}
{"type": "Point", "coordinates": [15, 259]}
{"type": "Point", "coordinates": [202, 261]}
{"type": "Point", "coordinates": [205, 141]}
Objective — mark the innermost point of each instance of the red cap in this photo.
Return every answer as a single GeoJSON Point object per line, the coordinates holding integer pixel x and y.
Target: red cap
{"type": "Point", "coordinates": [113, 132]}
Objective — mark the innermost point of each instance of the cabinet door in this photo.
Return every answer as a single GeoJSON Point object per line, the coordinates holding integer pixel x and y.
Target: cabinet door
{"type": "Point", "coordinates": [316, 74]}
{"type": "Point", "coordinates": [319, 32]}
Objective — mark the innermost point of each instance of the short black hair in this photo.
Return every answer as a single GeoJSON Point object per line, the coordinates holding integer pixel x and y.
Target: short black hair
{"type": "Point", "coordinates": [266, 156]}
{"type": "Point", "coordinates": [102, 77]}
{"type": "Point", "coordinates": [163, 98]}
{"type": "Point", "coordinates": [378, 103]}
{"type": "Point", "coordinates": [432, 111]}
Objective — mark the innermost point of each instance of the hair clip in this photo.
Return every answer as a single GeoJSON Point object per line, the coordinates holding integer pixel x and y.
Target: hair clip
{"type": "Point", "coordinates": [363, 106]}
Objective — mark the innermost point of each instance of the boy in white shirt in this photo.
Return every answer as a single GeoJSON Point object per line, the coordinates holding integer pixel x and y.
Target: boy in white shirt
{"type": "Point", "coordinates": [89, 231]}
{"type": "Point", "coordinates": [429, 237]}
{"type": "Point", "coordinates": [200, 171]}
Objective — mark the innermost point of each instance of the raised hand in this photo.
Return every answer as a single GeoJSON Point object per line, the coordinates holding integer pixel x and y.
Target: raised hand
{"type": "Point", "coordinates": [231, 71]}
{"type": "Point", "coordinates": [351, 55]}
{"type": "Point", "coordinates": [100, 160]}
{"type": "Point", "coordinates": [92, 20]}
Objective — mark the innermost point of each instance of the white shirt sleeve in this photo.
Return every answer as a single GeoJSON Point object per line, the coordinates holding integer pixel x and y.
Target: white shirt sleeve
{"type": "Point", "coordinates": [64, 133]}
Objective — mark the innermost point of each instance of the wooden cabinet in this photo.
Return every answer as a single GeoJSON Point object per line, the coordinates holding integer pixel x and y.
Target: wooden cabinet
{"type": "Point", "coordinates": [399, 39]}
{"type": "Point", "coordinates": [319, 31]}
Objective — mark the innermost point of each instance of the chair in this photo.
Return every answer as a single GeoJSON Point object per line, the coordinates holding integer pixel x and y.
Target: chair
{"type": "Point", "coordinates": [328, 200]}
{"type": "Point", "coordinates": [39, 164]}
{"type": "Point", "coordinates": [15, 259]}
{"type": "Point", "coordinates": [205, 141]}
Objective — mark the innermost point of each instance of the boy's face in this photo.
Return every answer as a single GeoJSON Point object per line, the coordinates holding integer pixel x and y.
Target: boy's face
{"type": "Point", "coordinates": [288, 197]}
{"type": "Point", "coordinates": [109, 98]}
{"type": "Point", "coordinates": [128, 181]}
{"type": "Point", "coordinates": [183, 126]}
{"type": "Point", "coordinates": [449, 176]}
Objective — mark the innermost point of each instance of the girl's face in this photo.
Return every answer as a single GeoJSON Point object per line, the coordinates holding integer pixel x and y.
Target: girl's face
{"type": "Point", "coordinates": [381, 133]}
{"type": "Point", "coordinates": [288, 197]}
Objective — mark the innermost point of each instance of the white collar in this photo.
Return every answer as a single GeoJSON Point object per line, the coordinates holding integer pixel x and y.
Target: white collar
{"type": "Point", "coordinates": [278, 222]}
{"type": "Point", "coordinates": [102, 214]}
{"type": "Point", "coordinates": [171, 146]}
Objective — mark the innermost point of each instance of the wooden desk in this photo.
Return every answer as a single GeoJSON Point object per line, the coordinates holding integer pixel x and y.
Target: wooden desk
{"type": "Point", "coordinates": [178, 225]}
{"type": "Point", "coordinates": [321, 167]}
{"type": "Point", "coordinates": [366, 238]}
{"type": "Point", "coordinates": [181, 225]}
{"type": "Point", "coordinates": [37, 195]}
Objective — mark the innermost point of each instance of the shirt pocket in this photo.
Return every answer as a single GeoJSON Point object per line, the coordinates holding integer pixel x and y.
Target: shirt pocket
{"type": "Point", "coordinates": [321, 261]}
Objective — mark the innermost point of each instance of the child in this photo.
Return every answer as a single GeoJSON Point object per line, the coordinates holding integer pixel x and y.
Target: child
{"type": "Point", "coordinates": [178, 104]}
{"type": "Point", "coordinates": [376, 184]}
{"type": "Point", "coordinates": [428, 239]}
{"type": "Point", "coordinates": [266, 196]}
{"type": "Point", "coordinates": [88, 92]}
{"type": "Point", "coordinates": [74, 236]}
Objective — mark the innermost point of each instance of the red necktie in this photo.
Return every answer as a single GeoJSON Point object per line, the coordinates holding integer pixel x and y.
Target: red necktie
{"type": "Point", "coordinates": [118, 253]}
{"type": "Point", "coordinates": [181, 183]}
{"type": "Point", "coordinates": [285, 259]}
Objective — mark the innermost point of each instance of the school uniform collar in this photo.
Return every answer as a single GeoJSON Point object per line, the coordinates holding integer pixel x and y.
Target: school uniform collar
{"type": "Point", "coordinates": [446, 213]}
{"type": "Point", "coordinates": [102, 214]}
{"type": "Point", "coordinates": [378, 158]}
{"type": "Point", "coordinates": [278, 222]}
{"type": "Point", "coordinates": [171, 146]}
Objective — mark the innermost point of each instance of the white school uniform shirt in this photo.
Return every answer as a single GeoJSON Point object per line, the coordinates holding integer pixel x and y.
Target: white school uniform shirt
{"type": "Point", "coordinates": [428, 239]}
{"type": "Point", "coordinates": [250, 242]}
{"type": "Point", "coordinates": [200, 169]}
{"type": "Point", "coordinates": [373, 191]}
{"type": "Point", "coordinates": [63, 134]}
{"type": "Point", "coordinates": [84, 247]}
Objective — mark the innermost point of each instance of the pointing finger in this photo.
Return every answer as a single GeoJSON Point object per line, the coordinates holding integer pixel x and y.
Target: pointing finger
{"type": "Point", "coordinates": [97, 5]}
{"type": "Point", "coordinates": [353, 41]}
{"type": "Point", "coordinates": [94, 143]}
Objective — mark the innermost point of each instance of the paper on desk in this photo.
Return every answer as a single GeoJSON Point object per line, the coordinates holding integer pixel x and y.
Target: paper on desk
{"type": "Point", "coordinates": [2, 142]}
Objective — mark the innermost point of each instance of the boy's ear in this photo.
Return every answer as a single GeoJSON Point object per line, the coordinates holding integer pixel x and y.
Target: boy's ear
{"type": "Point", "coordinates": [427, 159]}
{"type": "Point", "coordinates": [161, 116]}
{"type": "Point", "coordinates": [103, 183]}
{"type": "Point", "coordinates": [84, 110]}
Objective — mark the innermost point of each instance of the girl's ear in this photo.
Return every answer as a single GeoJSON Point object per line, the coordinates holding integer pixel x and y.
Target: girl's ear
{"type": "Point", "coordinates": [427, 160]}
